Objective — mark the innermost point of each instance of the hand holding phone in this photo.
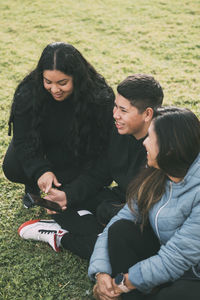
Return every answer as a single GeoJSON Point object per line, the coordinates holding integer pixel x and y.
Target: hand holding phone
{"type": "Point", "coordinates": [37, 200]}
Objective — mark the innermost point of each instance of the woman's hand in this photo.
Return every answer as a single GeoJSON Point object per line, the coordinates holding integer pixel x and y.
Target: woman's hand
{"type": "Point", "coordinates": [127, 283]}
{"type": "Point", "coordinates": [57, 196]}
{"type": "Point", "coordinates": [115, 287]}
{"type": "Point", "coordinates": [46, 180]}
{"type": "Point", "coordinates": [104, 289]}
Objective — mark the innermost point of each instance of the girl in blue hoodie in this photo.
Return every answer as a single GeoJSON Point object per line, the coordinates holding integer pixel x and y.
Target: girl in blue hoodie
{"type": "Point", "coordinates": [151, 249]}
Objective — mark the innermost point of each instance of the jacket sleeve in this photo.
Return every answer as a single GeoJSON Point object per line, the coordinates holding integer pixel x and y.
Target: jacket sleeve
{"type": "Point", "coordinates": [99, 261]}
{"type": "Point", "coordinates": [28, 152]}
{"type": "Point", "coordinates": [89, 183]}
{"type": "Point", "coordinates": [179, 254]}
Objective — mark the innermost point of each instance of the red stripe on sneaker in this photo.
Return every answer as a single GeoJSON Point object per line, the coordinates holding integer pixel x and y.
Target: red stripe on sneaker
{"type": "Point", "coordinates": [55, 244]}
{"type": "Point", "coordinates": [27, 223]}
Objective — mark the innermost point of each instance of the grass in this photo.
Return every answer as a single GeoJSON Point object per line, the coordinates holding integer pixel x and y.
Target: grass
{"type": "Point", "coordinates": [119, 38]}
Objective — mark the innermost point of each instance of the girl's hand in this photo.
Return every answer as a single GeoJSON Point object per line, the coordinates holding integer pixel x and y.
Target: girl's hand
{"type": "Point", "coordinates": [57, 196]}
{"type": "Point", "coordinates": [115, 287]}
{"type": "Point", "coordinates": [127, 283]}
{"type": "Point", "coordinates": [46, 180]}
{"type": "Point", "coordinates": [104, 289]}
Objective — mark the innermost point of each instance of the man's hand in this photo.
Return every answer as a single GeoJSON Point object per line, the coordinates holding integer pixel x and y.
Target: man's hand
{"type": "Point", "coordinates": [57, 196]}
{"type": "Point", "coordinates": [104, 289]}
{"type": "Point", "coordinates": [46, 180]}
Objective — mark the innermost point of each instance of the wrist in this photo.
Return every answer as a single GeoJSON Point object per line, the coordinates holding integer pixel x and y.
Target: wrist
{"type": "Point", "coordinates": [99, 273]}
{"type": "Point", "coordinates": [128, 282]}
{"type": "Point", "coordinates": [120, 281]}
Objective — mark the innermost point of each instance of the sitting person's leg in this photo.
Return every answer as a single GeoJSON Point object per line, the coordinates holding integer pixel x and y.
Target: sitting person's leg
{"type": "Point", "coordinates": [75, 231]}
{"type": "Point", "coordinates": [14, 172]}
{"type": "Point", "coordinates": [78, 222]}
{"type": "Point", "coordinates": [135, 246]}
{"type": "Point", "coordinates": [127, 245]}
{"type": "Point", "coordinates": [83, 231]}
{"type": "Point", "coordinates": [180, 289]}
{"type": "Point", "coordinates": [12, 167]}
{"type": "Point", "coordinates": [80, 245]}
{"type": "Point", "coordinates": [109, 204]}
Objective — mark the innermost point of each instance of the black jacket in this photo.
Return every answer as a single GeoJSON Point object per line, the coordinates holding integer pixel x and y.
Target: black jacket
{"type": "Point", "coordinates": [120, 164]}
{"type": "Point", "coordinates": [51, 154]}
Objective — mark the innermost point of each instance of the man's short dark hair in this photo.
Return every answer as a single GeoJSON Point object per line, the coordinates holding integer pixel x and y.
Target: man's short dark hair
{"type": "Point", "coordinates": [142, 91]}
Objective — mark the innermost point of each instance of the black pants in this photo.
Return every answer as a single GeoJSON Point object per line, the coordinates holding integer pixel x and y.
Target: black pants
{"type": "Point", "coordinates": [83, 232]}
{"type": "Point", "coordinates": [14, 172]}
{"type": "Point", "coordinates": [127, 245]}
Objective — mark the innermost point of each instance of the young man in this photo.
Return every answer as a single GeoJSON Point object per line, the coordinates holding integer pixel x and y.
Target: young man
{"type": "Point", "coordinates": [137, 98]}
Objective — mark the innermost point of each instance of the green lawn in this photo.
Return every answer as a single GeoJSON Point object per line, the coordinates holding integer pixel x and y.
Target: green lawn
{"type": "Point", "coordinates": [119, 38]}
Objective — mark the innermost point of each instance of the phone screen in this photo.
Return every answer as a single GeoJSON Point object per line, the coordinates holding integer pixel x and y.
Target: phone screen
{"type": "Point", "coordinates": [37, 200]}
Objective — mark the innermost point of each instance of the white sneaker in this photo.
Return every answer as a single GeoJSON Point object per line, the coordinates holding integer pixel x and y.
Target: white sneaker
{"type": "Point", "coordinates": [42, 230]}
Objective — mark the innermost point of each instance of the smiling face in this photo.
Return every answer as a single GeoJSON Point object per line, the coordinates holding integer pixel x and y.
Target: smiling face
{"type": "Point", "coordinates": [128, 119]}
{"type": "Point", "coordinates": [58, 84]}
{"type": "Point", "coordinates": [151, 146]}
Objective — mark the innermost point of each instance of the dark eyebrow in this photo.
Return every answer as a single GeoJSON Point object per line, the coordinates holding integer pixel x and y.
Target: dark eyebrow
{"type": "Point", "coordinates": [124, 108]}
{"type": "Point", "coordinates": [46, 78]}
{"type": "Point", "coordinates": [65, 79]}
{"type": "Point", "coordinates": [59, 81]}
{"type": "Point", "coordinates": [120, 106]}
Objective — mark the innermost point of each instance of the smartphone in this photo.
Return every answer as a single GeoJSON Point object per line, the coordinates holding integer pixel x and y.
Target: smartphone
{"type": "Point", "coordinates": [37, 200]}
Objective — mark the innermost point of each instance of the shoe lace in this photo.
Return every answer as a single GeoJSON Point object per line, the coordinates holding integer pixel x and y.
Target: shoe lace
{"type": "Point", "coordinates": [47, 231]}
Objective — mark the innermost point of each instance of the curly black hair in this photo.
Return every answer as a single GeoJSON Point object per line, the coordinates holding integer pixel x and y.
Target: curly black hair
{"type": "Point", "coordinates": [93, 99]}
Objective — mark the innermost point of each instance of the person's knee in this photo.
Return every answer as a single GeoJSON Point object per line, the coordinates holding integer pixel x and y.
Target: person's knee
{"type": "Point", "coordinates": [120, 229]}
{"type": "Point", "coordinates": [105, 211]}
{"type": "Point", "coordinates": [7, 169]}
{"type": "Point", "coordinates": [11, 166]}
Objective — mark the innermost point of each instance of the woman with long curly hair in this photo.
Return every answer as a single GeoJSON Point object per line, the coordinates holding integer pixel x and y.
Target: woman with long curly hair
{"type": "Point", "coordinates": [151, 249]}
{"type": "Point", "coordinates": [61, 117]}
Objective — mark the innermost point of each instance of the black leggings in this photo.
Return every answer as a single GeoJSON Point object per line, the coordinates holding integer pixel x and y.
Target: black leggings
{"type": "Point", "coordinates": [127, 245]}
{"type": "Point", "coordinates": [83, 231]}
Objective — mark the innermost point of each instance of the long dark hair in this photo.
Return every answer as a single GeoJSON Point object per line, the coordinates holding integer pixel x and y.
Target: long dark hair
{"type": "Point", "coordinates": [178, 137]}
{"type": "Point", "coordinates": [92, 98]}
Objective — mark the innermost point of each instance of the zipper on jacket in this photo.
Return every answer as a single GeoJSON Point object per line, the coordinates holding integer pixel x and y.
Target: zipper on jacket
{"type": "Point", "coordinates": [156, 218]}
